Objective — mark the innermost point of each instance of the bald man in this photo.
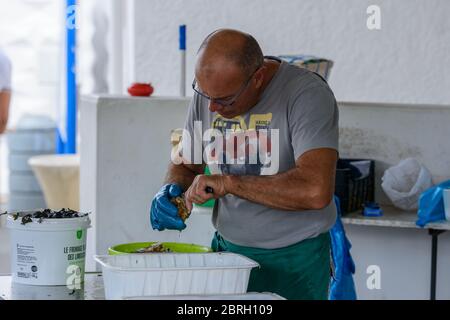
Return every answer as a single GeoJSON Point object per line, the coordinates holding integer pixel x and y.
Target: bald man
{"type": "Point", "coordinates": [268, 132]}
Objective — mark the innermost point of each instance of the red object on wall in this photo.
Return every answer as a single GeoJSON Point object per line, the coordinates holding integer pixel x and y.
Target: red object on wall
{"type": "Point", "coordinates": [140, 89]}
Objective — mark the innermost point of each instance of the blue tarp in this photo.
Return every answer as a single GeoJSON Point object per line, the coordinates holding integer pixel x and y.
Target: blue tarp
{"type": "Point", "coordinates": [342, 284]}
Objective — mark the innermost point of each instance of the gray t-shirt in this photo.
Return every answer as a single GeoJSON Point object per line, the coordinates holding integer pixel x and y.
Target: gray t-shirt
{"type": "Point", "coordinates": [302, 107]}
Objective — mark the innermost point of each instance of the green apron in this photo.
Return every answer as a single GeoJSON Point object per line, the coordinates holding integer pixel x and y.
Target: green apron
{"type": "Point", "coordinates": [298, 272]}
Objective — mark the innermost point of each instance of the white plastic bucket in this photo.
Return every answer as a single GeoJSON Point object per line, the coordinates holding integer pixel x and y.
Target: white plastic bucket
{"type": "Point", "coordinates": [49, 253]}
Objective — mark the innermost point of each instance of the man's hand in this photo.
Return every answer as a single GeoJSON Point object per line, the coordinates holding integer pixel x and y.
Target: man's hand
{"type": "Point", "coordinates": [197, 192]}
{"type": "Point", "coordinates": [163, 213]}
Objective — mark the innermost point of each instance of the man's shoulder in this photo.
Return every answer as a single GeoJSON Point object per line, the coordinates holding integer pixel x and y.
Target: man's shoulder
{"type": "Point", "coordinates": [302, 79]}
{"type": "Point", "coordinates": [299, 84]}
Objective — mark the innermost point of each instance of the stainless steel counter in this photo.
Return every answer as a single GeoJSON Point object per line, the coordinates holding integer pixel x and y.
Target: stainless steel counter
{"type": "Point", "coordinates": [92, 289]}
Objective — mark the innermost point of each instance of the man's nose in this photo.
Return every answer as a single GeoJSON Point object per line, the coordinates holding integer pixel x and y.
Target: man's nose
{"type": "Point", "coordinates": [214, 106]}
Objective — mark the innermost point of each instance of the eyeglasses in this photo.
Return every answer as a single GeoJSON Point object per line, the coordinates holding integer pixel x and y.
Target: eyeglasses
{"type": "Point", "coordinates": [224, 102]}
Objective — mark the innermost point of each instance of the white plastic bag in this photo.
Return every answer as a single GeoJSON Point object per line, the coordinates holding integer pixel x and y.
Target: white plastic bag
{"type": "Point", "coordinates": [404, 183]}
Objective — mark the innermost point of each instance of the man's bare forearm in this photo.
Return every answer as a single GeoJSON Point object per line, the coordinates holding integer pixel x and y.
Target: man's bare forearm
{"type": "Point", "coordinates": [183, 174]}
{"type": "Point", "coordinates": [286, 191]}
{"type": "Point", "coordinates": [307, 186]}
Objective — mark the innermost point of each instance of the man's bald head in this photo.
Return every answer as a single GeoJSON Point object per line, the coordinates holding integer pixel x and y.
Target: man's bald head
{"type": "Point", "coordinates": [230, 46]}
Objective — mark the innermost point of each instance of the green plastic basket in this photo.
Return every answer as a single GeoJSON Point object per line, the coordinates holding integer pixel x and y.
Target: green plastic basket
{"type": "Point", "coordinates": [176, 247]}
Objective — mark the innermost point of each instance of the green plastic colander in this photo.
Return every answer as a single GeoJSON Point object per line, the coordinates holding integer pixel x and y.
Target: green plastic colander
{"type": "Point", "coordinates": [172, 246]}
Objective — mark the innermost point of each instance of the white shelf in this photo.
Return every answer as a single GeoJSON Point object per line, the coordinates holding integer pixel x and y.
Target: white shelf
{"type": "Point", "coordinates": [392, 217]}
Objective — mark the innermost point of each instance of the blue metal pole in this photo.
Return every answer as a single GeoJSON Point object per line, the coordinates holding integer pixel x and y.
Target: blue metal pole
{"type": "Point", "coordinates": [69, 146]}
{"type": "Point", "coordinates": [182, 39]}
{"type": "Point", "coordinates": [182, 47]}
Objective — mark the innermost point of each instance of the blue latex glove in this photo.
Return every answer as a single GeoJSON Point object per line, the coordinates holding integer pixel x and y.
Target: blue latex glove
{"type": "Point", "coordinates": [163, 213]}
{"type": "Point", "coordinates": [431, 204]}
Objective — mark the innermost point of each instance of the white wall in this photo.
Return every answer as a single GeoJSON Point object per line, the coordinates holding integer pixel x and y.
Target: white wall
{"type": "Point", "coordinates": [406, 61]}
{"type": "Point", "coordinates": [100, 65]}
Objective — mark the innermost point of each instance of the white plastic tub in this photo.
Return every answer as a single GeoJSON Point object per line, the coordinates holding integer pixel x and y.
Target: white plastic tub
{"type": "Point", "coordinates": [50, 253]}
{"type": "Point", "coordinates": [246, 296]}
{"type": "Point", "coordinates": [159, 274]}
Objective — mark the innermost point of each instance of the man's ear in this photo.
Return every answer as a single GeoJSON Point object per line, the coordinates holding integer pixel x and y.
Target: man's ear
{"type": "Point", "coordinates": [259, 77]}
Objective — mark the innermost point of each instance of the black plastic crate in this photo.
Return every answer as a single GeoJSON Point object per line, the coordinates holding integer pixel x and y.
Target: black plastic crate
{"type": "Point", "coordinates": [352, 188]}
